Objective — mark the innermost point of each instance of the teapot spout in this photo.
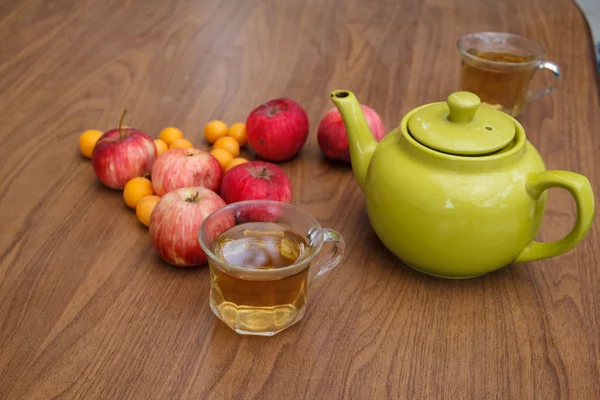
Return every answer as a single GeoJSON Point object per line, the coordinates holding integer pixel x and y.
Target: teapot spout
{"type": "Point", "coordinates": [360, 140]}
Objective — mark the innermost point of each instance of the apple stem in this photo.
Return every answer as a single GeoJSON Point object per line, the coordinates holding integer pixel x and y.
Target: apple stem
{"type": "Point", "coordinates": [193, 198]}
{"type": "Point", "coordinates": [270, 111]}
{"type": "Point", "coordinates": [121, 124]}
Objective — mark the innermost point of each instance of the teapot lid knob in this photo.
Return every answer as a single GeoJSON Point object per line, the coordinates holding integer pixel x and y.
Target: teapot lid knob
{"type": "Point", "coordinates": [462, 106]}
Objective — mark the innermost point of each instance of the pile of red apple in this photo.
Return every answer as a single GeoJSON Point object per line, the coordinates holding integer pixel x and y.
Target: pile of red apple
{"type": "Point", "coordinates": [191, 183]}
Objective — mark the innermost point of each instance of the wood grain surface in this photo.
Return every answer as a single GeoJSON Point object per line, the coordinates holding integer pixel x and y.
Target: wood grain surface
{"type": "Point", "coordinates": [88, 310]}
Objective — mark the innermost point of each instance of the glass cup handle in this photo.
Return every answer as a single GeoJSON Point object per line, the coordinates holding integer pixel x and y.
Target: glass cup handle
{"type": "Point", "coordinates": [555, 69]}
{"type": "Point", "coordinates": [330, 261]}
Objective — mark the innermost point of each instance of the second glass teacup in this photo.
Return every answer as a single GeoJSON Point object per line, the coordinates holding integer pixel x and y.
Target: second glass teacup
{"type": "Point", "coordinates": [262, 256]}
{"type": "Point", "coordinates": [499, 67]}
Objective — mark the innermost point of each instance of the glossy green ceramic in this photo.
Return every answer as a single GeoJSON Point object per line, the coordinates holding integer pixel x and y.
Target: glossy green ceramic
{"type": "Point", "coordinates": [462, 196]}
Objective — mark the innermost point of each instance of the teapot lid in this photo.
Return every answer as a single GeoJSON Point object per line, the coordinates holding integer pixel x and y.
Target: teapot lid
{"type": "Point", "coordinates": [460, 126]}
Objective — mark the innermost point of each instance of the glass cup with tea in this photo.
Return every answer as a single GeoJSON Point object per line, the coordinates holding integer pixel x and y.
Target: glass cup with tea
{"type": "Point", "coordinates": [499, 67]}
{"type": "Point", "coordinates": [262, 257]}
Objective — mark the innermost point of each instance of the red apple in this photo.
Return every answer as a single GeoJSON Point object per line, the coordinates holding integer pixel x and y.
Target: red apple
{"type": "Point", "coordinates": [332, 136]}
{"type": "Point", "coordinates": [175, 224]}
{"type": "Point", "coordinates": [122, 154]}
{"type": "Point", "coordinates": [256, 180]}
{"type": "Point", "coordinates": [179, 168]}
{"type": "Point", "coordinates": [277, 130]}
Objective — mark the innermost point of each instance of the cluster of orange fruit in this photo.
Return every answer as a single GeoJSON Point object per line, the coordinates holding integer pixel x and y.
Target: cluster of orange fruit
{"type": "Point", "coordinates": [226, 142]}
{"type": "Point", "coordinates": [171, 138]}
{"type": "Point", "coordinates": [138, 193]}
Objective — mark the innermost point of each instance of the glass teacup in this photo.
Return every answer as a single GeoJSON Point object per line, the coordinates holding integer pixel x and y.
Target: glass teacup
{"type": "Point", "coordinates": [499, 67]}
{"type": "Point", "coordinates": [262, 257]}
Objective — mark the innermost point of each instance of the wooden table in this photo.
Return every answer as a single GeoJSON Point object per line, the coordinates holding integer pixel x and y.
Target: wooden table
{"type": "Point", "coordinates": [88, 310]}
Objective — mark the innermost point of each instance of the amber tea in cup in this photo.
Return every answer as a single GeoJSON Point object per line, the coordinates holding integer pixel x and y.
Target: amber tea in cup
{"type": "Point", "coordinates": [499, 67]}
{"type": "Point", "coordinates": [262, 257]}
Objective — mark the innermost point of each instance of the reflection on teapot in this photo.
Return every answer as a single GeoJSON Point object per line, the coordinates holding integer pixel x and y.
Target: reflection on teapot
{"type": "Point", "coordinates": [457, 190]}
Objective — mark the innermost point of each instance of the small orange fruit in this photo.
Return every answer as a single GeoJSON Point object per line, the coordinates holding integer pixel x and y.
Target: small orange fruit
{"type": "Point", "coordinates": [143, 210]}
{"type": "Point", "coordinates": [223, 157]}
{"type": "Point", "coordinates": [135, 189]}
{"type": "Point", "coordinates": [234, 162]}
{"type": "Point", "coordinates": [161, 146]}
{"type": "Point", "coordinates": [214, 131]}
{"type": "Point", "coordinates": [238, 132]}
{"type": "Point", "coordinates": [170, 134]}
{"type": "Point", "coordinates": [181, 144]}
{"type": "Point", "coordinates": [87, 141]}
{"type": "Point", "coordinates": [229, 144]}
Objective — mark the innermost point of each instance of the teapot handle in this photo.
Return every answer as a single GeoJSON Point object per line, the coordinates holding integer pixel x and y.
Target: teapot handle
{"type": "Point", "coordinates": [580, 188]}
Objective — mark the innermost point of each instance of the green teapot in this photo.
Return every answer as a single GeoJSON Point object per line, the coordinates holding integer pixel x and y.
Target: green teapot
{"type": "Point", "coordinates": [457, 191]}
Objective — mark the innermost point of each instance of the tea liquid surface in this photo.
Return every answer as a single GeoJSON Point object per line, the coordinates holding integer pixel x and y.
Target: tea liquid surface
{"type": "Point", "coordinates": [260, 245]}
